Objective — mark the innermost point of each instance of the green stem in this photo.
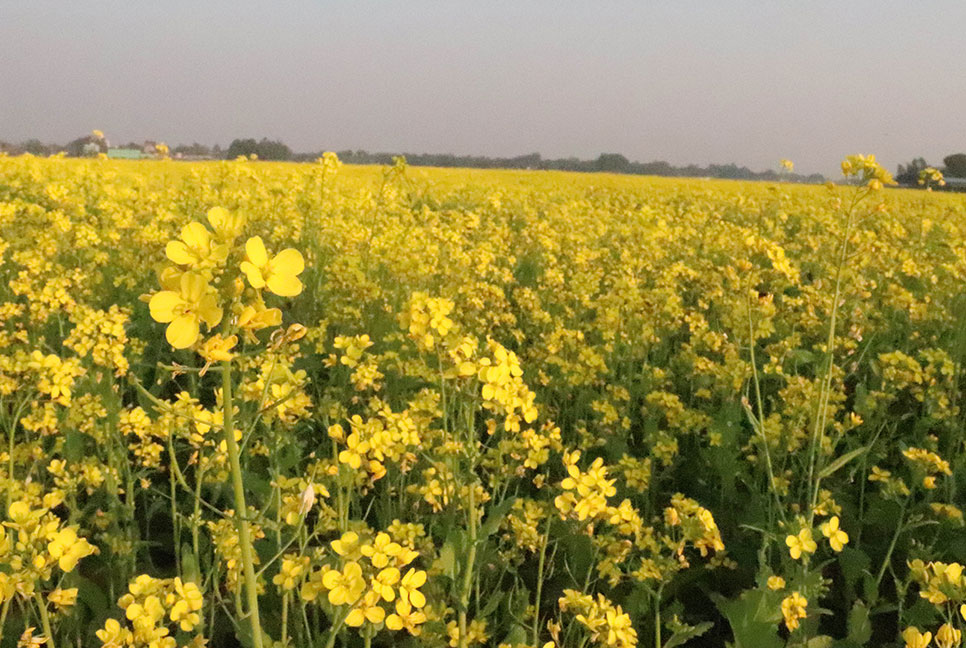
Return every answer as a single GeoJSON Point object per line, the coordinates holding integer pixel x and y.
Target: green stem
{"type": "Point", "coordinates": [285, 619]}
{"type": "Point", "coordinates": [469, 568]}
{"type": "Point", "coordinates": [334, 632]}
{"type": "Point", "coordinates": [3, 615]}
{"type": "Point", "coordinates": [892, 545]}
{"type": "Point", "coordinates": [44, 618]}
{"type": "Point", "coordinates": [818, 430]}
{"type": "Point", "coordinates": [196, 515]}
{"type": "Point", "coordinates": [759, 425]}
{"type": "Point", "coordinates": [540, 566]}
{"type": "Point", "coordinates": [657, 617]}
{"type": "Point", "coordinates": [175, 520]}
{"type": "Point", "coordinates": [241, 508]}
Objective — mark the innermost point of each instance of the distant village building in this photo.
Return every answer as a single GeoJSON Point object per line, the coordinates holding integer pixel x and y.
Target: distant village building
{"type": "Point", "coordinates": [126, 154]}
{"type": "Point", "coordinates": [955, 184]}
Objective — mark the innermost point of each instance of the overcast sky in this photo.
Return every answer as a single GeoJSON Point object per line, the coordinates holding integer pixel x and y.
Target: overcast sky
{"type": "Point", "coordinates": [696, 81]}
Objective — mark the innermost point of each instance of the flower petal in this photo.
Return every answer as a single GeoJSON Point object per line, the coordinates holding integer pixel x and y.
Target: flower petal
{"type": "Point", "coordinates": [209, 311]}
{"type": "Point", "coordinates": [178, 252]}
{"type": "Point", "coordinates": [183, 331]}
{"type": "Point", "coordinates": [288, 261]}
{"type": "Point", "coordinates": [417, 599]}
{"type": "Point", "coordinates": [163, 305]}
{"type": "Point", "coordinates": [284, 285]}
{"type": "Point", "coordinates": [255, 250]}
{"type": "Point", "coordinates": [218, 217]}
{"type": "Point", "coordinates": [254, 275]}
{"type": "Point", "coordinates": [193, 287]}
{"type": "Point", "coordinates": [355, 618]}
{"type": "Point", "coordinates": [196, 235]}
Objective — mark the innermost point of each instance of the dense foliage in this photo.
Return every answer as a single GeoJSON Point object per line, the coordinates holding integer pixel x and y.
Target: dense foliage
{"type": "Point", "coordinates": [270, 404]}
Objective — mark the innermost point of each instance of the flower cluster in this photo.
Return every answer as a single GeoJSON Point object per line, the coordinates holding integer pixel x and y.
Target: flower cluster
{"type": "Point", "coordinates": [372, 583]}
{"type": "Point", "coordinates": [607, 623]}
{"type": "Point", "coordinates": [151, 607]}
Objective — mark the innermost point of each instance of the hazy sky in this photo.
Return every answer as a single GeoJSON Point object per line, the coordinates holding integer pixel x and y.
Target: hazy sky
{"type": "Point", "coordinates": [696, 81]}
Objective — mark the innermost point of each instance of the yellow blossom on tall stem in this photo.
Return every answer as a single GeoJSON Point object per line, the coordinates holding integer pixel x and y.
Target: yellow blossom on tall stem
{"type": "Point", "coordinates": [227, 225]}
{"type": "Point", "coordinates": [218, 349]}
{"type": "Point", "coordinates": [408, 588]}
{"type": "Point", "coordinates": [406, 617]}
{"type": "Point", "coordinates": [837, 538]}
{"type": "Point", "coordinates": [793, 609]}
{"type": "Point", "coordinates": [344, 587]}
{"type": "Point", "coordinates": [279, 274]}
{"type": "Point", "coordinates": [916, 639]}
{"type": "Point", "coordinates": [195, 249]}
{"type": "Point", "coordinates": [776, 583]}
{"type": "Point", "coordinates": [368, 609]}
{"type": "Point", "coordinates": [803, 542]}
{"type": "Point", "coordinates": [947, 636]}
{"type": "Point", "coordinates": [185, 310]}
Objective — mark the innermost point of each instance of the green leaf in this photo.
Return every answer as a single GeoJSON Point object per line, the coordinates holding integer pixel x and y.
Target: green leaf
{"type": "Point", "coordinates": [447, 560]}
{"type": "Point", "coordinates": [841, 461]}
{"type": "Point", "coordinates": [73, 446]}
{"type": "Point", "coordinates": [495, 518]}
{"type": "Point", "coordinates": [577, 550]}
{"type": "Point", "coordinates": [921, 614]}
{"type": "Point", "coordinates": [854, 563]}
{"type": "Point", "coordinates": [491, 605]}
{"type": "Point", "coordinates": [860, 627]}
{"type": "Point", "coordinates": [189, 565]}
{"type": "Point", "coordinates": [516, 636]}
{"type": "Point", "coordinates": [754, 617]}
{"type": "Point", "coordinates": [454, 546]}
{"type": "Point", "coordinates": [92, 596]}
{"type": "Point", "coordinates": [821, 641]}
{"type": "Point", "coordinates": [681, 637]}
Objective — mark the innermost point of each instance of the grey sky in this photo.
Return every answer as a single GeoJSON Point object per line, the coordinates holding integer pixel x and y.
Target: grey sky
{"type": "Point", "coordinates": [696, 81]}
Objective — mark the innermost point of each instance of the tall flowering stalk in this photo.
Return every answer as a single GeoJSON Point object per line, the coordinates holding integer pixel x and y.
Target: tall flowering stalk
{"type": "Point", "coordinates": [205, 280]}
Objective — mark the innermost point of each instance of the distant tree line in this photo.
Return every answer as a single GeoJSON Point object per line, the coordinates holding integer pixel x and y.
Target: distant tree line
{"type": "Point", "coordinates": [265, 149]}
{"type": "Point", "coordinates": [605, 162]}
{"type": "Point", "coordinates": [953, 168]}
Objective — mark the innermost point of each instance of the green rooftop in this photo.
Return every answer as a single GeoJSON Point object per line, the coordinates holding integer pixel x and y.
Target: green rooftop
{"type": "Point", "coordinates": [125, 154]}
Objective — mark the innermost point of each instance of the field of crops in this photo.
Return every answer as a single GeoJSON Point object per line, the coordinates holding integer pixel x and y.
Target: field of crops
{"type": "Point", "coordinates": [477, 408]}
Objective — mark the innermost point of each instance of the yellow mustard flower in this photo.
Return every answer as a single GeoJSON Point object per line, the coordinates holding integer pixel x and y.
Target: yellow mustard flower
{"type": "Point", "coordinates": [383, 583]}
{"type": "Point", "coordinates": [349, 546]}
{"type": "Point", "coordinates": [368, 609]}
{"type": "Point", "coordinates": [803, 542]}
{"type": "Point", "coordinates": [406, 617]}
{"type": "Point", "coordinates": [185, 310]}
{"type": "Point", "coordinates": [947, 636]}
{"type": "Point", "coordinates": [793, 609]}
{"type": "Point", "coordinates": [409, 588]}
{"type": "Point", "coordinates": [252, 319]}
{"type": "Point", "coordinates": [195, 249]}
{"type": "Point", "coordinates": [187, 601]}
{"type": "Point", "coordinates": [344, 587]}
{"type": "Point", "coordinates": [381, 550]}
{"type": "Point", "coordinates": [218, 349]}
{"type": "Point", "coordinates": [837, 538]}
{"type": "Point", "coordinates": [916, 639]}
{"type": "Point", "coordinates": [279, 274]}
{"type": "Point", "coordinates": [227, 225]}
{"type": "Point", "coordinates": [63, 598]}
{"type": "Point", "coordinates": [67, 548]}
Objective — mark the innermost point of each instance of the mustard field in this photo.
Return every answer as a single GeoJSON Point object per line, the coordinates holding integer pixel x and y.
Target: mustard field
{"type": "Point", "coordinates": [310, 405]}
